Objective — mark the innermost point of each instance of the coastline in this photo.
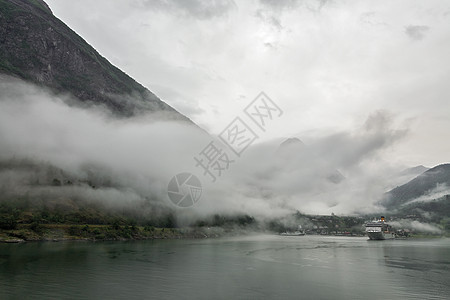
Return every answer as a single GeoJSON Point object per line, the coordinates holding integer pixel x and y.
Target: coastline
{"type": "Point", "coordinates": [88, 232]}
{"type": "Point", "coordinates": [95, 233]}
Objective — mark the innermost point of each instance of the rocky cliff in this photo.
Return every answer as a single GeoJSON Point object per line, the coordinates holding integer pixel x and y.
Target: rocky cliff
{"type": "Point", "coordinates": [38, 47]}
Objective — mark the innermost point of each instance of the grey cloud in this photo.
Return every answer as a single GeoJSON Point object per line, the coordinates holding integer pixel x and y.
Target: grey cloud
{"type": "Point", "coordinates": [297, 176]}
{"type": "Point", "coordinates": [280, 4]}
{"type": "Point", "coordinates": [317, 5]}
{"type": "Point", "coordinates": [441, 190]}
{"type": "Point", "coordinates": [127, 160]}
{"type": "Point", "coordinates": [271, 11]}
{"type": "Point", "coordinates": [131, 161]}
{"type": "Point", "coordinates": [313, 5]}
{"type": "Point", "coordinates": [416, 226]}
{"type": "Point", "coordinates": [350, 148]}
{"type": "Point", "coordinates": [416, 32]}
{"type": "Point", "coordinates": [372, 18]}
{"type": "Point", "coordinates": [270, 46]}
{"type": "Point", "coordinates": [152, 152]}
{"type": "Point", "coordinates": [269, 18]}
{"type": "Point", "coordinates": [200, 9]}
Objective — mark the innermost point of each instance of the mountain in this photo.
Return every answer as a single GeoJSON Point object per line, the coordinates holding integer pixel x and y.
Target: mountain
{"type": "Point", "coordinates": [398, 178]}
{"type": "Point", "coordinates": [414, 171]}
{"type": "Point", "coordinates": [408, 174]}
{"type": "Point", "coordinates": [434, 181]}
{"type": "Point", "coordinates": [291, 147]}
{"type": "Point", "coordinates": [38, 47]}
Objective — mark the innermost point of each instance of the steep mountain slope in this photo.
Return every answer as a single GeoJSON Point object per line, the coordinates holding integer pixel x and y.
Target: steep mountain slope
{"type": "Point", "coordinates": [418, 187]}
{"type": "Point", "coordinates": [36, 46]}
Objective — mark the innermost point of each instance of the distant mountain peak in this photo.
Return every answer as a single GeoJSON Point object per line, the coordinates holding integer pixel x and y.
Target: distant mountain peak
{"type": "Point", "coordinates": [414, 170]}
{"type": "Point", "coordinates": [292, 141]}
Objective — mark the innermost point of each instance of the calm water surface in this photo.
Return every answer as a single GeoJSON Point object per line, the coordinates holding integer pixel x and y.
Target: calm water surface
{"type": "Point", "coordinates": [255, 267]}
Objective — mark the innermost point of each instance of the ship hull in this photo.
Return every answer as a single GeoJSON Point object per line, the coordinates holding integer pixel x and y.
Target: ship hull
{"type": "Point", "coordinates": [379, 230]}
{"type": "Point", "coordinates": [292, 233]}
{"type": "Point", "coordinates": [380, 236]}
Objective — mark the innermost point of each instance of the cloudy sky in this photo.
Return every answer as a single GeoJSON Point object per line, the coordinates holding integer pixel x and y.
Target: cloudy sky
{"type": "Point", "coordinates": [328, 64]}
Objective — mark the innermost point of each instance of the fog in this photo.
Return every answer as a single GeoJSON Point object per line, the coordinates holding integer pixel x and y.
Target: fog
{"type": "Point", "coordinates": [129, 162]}
{"type": "Point", "coordinates": [126, 159]}
{"type": "Point", "coordinates": [328, 64]}
{"type": "Point", "coordinates": [439, 191]}
{"type": "Point", "coordinates": [416, 226]}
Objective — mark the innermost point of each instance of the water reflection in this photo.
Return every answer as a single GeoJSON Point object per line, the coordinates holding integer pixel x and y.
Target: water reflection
{"type": "Point", "coordinates": [245, 267]}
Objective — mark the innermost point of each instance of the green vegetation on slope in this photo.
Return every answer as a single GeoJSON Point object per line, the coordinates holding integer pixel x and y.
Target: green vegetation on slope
{"type": "Point", "coordinates": [57, 232]}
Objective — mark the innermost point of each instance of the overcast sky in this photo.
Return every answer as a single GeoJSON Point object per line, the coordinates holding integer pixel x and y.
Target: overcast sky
{"type": "Point", "coordinates": [327, 64]}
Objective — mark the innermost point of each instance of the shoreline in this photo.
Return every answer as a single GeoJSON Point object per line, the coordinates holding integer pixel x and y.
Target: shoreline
{"type": "Point", "coordinates": [88, 232]}
{"type": "Point", "coordinates": [25, 233]}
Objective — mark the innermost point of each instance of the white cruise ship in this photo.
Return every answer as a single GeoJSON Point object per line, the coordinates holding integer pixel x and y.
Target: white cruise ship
{"type": "Point", "coordinates": [379, 230]}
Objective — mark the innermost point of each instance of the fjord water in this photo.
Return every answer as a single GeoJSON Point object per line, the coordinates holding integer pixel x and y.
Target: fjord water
{"type": "Point", "coordinates": [252, 267]}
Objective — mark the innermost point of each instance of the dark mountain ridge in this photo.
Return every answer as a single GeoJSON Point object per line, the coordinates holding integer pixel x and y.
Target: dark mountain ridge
{"type": "Point", "coordinates": [419, 186]}
{"type": "Point", "coordinates": [37, 47]}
